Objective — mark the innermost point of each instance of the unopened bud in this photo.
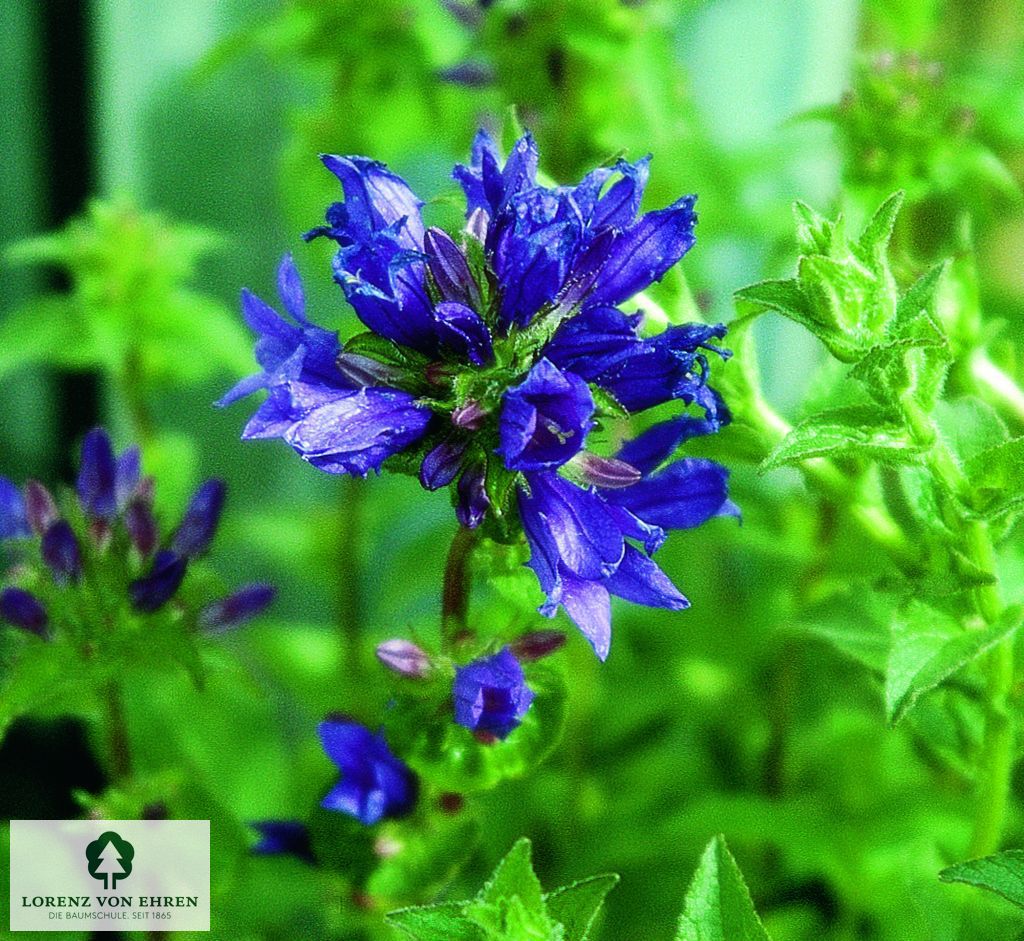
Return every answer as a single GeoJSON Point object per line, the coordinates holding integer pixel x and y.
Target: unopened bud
{"type": "Point", "coordinates": [469, 415]}
{"type": "Point", "coordinates": [40, 507]}
{"type": "Point", "coordinates": [607, 472]}
{"type": "Point", "coordinates": [537, 644]}
{"type": "Point", "coordinates": [364, 371]}
{"type": "Point", "coordinates": [404, 658]}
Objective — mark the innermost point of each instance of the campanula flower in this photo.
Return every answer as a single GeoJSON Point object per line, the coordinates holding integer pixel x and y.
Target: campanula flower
{"type": "Point", "coordinates": [114, 515]}
{"type": "Point", "coordinates": [374, 784]}
{"type": "Point", "coordinates": [491, 695]}
{"type": "Point", "coordinates": [490, 357]}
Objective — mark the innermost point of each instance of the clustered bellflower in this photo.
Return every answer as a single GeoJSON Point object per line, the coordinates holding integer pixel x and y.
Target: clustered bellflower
{"type": "Point", "coordinates": [491, 363]}
{"type": "Point", "coordinates": [110, 517]}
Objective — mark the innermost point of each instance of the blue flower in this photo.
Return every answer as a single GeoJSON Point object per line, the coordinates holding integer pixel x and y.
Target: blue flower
{"type": "Point", "coordinates": [491, 695]}
{"type": "Point", "coordinates": [23, 609]}
{"type": "Point", "coordinates": [492, 356]}
{"type": "Point", "coordinates": [374, 783]}
{"type": "Point", "coordinates": [283, 838]}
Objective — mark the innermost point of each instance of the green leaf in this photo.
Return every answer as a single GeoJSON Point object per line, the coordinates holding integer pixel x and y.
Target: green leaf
{"type": "Point", "coordinates": [445, 922]}
{"type": "Point", "coordinates": [515, 877]}
{"type": "Point", "coordinates": [511, 904]}
{"type": "Point", "coordinates": [718, 904]}
{"type": "Point", "coordinates": [855, 431]}
{"type": "Point", "coordinates": [928, 647]}
{"type": "Point", "coordinates": [874, 240]}
{"type": "Point", "coordinates": [997, 478]}
{"type": "Point", "coordinates": [1002, 873]}
{"type": "Point", "coordinates": [576, 906]}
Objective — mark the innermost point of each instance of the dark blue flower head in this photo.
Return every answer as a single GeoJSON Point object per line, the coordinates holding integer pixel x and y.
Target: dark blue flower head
{"type": "Point", "coordinates": [374, 784]}
{"type": "Point", "coordinates": [491, 695]}
{"type": "Point", "coordinates": [490, 357]}
{"type": "Point", "coordinates": [23, 609]}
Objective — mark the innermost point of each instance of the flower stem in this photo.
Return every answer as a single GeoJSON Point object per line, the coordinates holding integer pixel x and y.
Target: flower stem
{"type": "Point", "coordinates": [117, 732]}
{"type": "Point", "coordinates": [348, 572]}
{"type": "Point", "coordinates": [457, 583]}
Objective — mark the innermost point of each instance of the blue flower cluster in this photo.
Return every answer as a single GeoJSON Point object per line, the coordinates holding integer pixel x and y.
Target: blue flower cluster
{"type": "Point", "coordinates": [114, 514]}
{"type": "Point", "coordinates": [490, 361]}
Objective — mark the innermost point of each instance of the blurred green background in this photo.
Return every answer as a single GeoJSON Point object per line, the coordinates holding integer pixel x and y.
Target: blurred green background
{"type": "Point", "coordinates": [735, 716]}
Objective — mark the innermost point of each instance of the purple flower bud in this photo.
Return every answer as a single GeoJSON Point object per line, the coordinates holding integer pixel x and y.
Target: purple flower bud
{"type": "Point", "coordinates": [537, 644]}
{"type": "Point", "coordinates": [61, 552]}
{"type": "Point", "coordinates": [468, 74]}
{"type": "Point", "coordinates": [607, 472]}
{"type": "Point", "coordinates": [40, 507]}
{"type": "Point", "coordinates": [126, 475]}
{"type": "Point", "coordinates": [198, 527]}
{"type": "Point", "coordinates": [22, 609]}
{"type": "Point", "coordinates": [491, 695]}
{"type": "Point", "coordinates": [404, 658]}
{"type": "Point", "coordinates": [473, 500]}
{"type": "Point", "coordinates": [13, 517]}
{"type": "Point", "coordinates": [450, 269]}
{"type": "Point", "coordinates": [283, 838]}
{"type": "Point", "coordinates": [97, 476]}
{"type": "Point", "coordinates": [141, 526]}
{"type": "Point", "coordinates": [441, 464]}
{"type": "Point", "coordinates": [364, 371]}
{"type": "Point", "coordinates": [477, 224]}
{"type": "Point", "coordinates": [469, 415]}
{"type": "Point", "coordinates": [237, 608]}
{"type": "Point", "coordinates": [153, 591]}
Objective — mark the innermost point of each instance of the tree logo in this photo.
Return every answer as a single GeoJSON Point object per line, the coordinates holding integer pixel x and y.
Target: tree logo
{"type": "Point", "coordinates": [110, 859]}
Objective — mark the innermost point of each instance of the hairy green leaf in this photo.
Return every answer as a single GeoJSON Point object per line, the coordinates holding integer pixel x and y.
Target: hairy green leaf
{"type": "Point", "coordinates": [1002, 873]}
{"type": "Point", "coordinates": [718, 904]}
{"type": "Point", "coordinates": [928, 647]}
{"type": "Point", "coordinates": [576, 906]}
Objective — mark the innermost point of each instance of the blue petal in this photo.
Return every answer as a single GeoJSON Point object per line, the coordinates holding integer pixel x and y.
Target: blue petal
{"type": "Point", "coordinates": [587, 603]}
{"type": "Point", "coordinates": [97, 475]}
{"type": "Point", "coordinates": [463, 331]}
{"type": "Point", "coordinates": [649, 450]}
{"type": "Point", "coordinates": [645, 251]}
{"type": "Point", "coordinates": [376, 198]}
{"type": "Point", "coordinates": [569, 527]}
{"type": "Point", "coordinates": [290, 290]}
{"type": "Point", "coordinates": [638, 579]}
{"type": "Point", "coordinates": [685, 494]}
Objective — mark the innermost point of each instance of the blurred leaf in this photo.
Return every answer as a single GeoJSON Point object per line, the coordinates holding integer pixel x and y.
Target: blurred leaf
{"type": "Point", "coordinates": [997, 477]}
{"type": "Point", "coordinates": [718, 904]}
{"type": "Point", "coordinates": [856, 431]}
{"type": "Point", "coordinates": [1002, 873]}
{"type": "Point", "coordinates": [445, 922]}
{"type": "Point", "coordinates": [928, 647]}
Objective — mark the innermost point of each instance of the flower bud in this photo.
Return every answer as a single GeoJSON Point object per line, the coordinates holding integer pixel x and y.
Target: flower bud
{"type": "Point", "coordinates": [97, 476]}
{"type": "Point", "coordinates": [22, 609]}
{"type": "Point", "coordinates": [608, 472]}
{"type": "Point", "coordinates": [450, 269]}
{"type": "Point", "coordinates": [61, 552]}
{"type": "Point", "coordinates": [441, 464]}
{"type": "Point", "coordinates": [468, 74]}
{"type": "Point", "coordinates": [469, 415]}
{"type": "Point", "coordinates": [237, 608]}
{"type": "Point", "coordinates": [537, 644]}
{"type": "Point", "coordinates": [141, 526]}
{"type": "Point", "coordinates": [13, 519]}
{"type": "Point", "coordinates": [473, 500]}
{"type": "Point", "coordinates": [404, 658]}
{"type": "Point", "coordinates": [126, 475]}
{"type": "Point", "coordinates": [40, 507]}
{"type": "Point", "coordinates": [477, 224]}
{"type": "Point", "coordinates": [199, 526]}
{"type": "Point", "coordinates": [364, 371]}
{"type": "Point", "coordinates": [153, 591]}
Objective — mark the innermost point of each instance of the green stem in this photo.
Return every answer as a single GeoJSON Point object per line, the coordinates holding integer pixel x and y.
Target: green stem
{"type": "Point", "coordinates": [996, 387]}
{"type": "Point", "coordinates": [455, 596]}
{"type": "Point", "coordinates": [348, 572]}
{"type": "Point", "coordinates": [117, 732]}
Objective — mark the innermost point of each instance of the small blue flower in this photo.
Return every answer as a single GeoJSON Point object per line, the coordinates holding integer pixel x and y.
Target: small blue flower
{"type": "Point", "coordinates": [491, 695]}
{"type": "Point", "coordinates": [374, 783]}
{"type": "Point", "coordinates": [23, 609]}
{"type": "Point", "coordinates": [283, 838]}
{"type": "Point", "coordinates": [545, 419]}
